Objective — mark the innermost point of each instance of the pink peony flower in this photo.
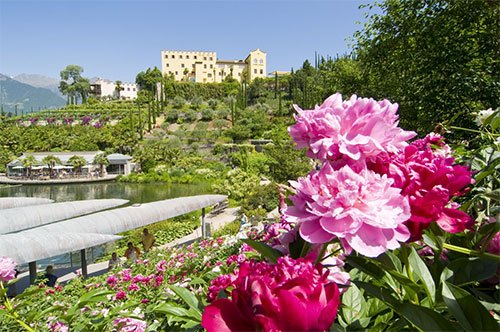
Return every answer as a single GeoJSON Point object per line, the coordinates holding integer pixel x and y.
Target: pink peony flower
{"type": "Point", "coordinates": [7, 269]}
{"type": "Point", "coordinates": [133, 287]}
{"type": "Point", "coordinates": [112, 280]}
{"type": "Point", "coordinates": [360, 208]}
{"type": "Point", "coordinates": [293, 295]}
{"type": "Point", "coordinates": [494, 248]}
{"type": "Point", "coordinates": [126, 324]}
{"type": "Point", "coordinates": [430, 180]}
{"type": "Point", "coordinates": [357, 129]}
{"type": "Point", "coordinates": [56, 326]}
{"type": "Point", "coordinates": [120, 295]}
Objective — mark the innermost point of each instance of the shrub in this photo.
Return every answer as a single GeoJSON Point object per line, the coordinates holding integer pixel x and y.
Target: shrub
{"type": "Point", "coordinates": [196, 102]}
{"type": "Point", "coordinates": [190, 116]}
{"type": "Point", "coordinates": [223, 113]}
{"type": "Point", "coordinates": [172, 115]}
{"type": "Point", "coordinates": [179, 102]}
{"type": "Point", "coordinates": [207, 114]}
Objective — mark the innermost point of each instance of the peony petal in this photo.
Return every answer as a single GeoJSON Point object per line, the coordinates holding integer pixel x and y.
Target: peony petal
{"type": "Point", "coordinates": [222, 315]}
{"type": "Point", "coordinates": [312, 232]}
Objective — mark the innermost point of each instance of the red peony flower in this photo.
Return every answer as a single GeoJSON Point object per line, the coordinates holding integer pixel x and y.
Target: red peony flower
{"type": "Point", "coordinates": [293, 295]}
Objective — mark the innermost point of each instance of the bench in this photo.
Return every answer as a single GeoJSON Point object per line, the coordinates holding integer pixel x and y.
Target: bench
{"type": "Point", "coordinates": [219, 208]}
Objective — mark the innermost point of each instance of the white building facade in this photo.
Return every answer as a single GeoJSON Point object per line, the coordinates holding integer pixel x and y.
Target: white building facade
{"type": "Point", "coordinates": [107, 89]}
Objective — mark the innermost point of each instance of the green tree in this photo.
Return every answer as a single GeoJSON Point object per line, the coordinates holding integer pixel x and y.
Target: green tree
{"type": "Point", "coordinates": [73, 84]}
{"type": "Point", "coordinates": [219, 124]}
{"type": "Point", "coordinates": [118, 89]}
{"type": "Point", "coordinates": [101, 160]}
{"type": "Point", "coordinates": [77, 162]}
{"type": "Point", "coordinates": [29, 161]}
{"type": "Point", "coordinates": [51, 161]}
{"type": "Point", "coordinates": [439, 60]}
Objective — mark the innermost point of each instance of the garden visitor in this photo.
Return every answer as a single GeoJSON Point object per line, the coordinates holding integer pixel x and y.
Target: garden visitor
{"type": "Point", "coordinates": [132, 253]}
{"type": "Point", "coordinates": [282, 203]}
{"type": "Point", "coordinates": [49, 275]}
{"type": "Point", "coordinates": [148, 240]}
{"type": "Point", "coordinates": [244, 220]}
{"type": "Point", "coordinates": [113, 262]}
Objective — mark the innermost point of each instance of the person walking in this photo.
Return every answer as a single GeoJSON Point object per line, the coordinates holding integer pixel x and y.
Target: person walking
{"type": "Point", "coordinates": [148, 240]}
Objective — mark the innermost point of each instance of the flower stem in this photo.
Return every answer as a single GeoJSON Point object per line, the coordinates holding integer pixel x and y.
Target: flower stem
{"type": "Point", "coordinates": [13, 314]}
{"type": "Point", "coordinates": [321, 253]}
{"type": "Point", "coordinates": [471, 252]}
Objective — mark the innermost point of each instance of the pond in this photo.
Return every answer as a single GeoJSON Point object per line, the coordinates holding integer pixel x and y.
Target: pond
{"type": "Point", "coordinates": [134, 192]}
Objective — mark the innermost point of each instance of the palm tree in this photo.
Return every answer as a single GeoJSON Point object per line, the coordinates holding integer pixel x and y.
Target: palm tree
{"type": "Point", "coordinates": [102, 161]}
{"type": "Point", "coordinates": [29, 161]}
{"type": "Point", "coordinates": [118, 88]}
{"type": "Point", "coordinates": [51, 161]}
{"type": "Point", "coordinates": [77, 162]}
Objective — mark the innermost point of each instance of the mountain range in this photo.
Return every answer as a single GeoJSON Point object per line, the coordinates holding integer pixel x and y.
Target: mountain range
{"type": "Point", "coordinates": [28, 97]}
{"type": "Point", "coordinates": [40, 81]}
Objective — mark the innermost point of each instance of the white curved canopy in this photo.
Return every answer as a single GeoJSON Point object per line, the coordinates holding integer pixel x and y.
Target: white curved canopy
{"type": "Point", "coordinates": [16, 219]}
{"type": "Point", "coordinates": [94, 229]}
{"type": "Point", "coordinates": [13, 202]}
{"type": "Point", "coordinates": [127, 218]}
{"type": "Point", "coordinates": [31, 247]}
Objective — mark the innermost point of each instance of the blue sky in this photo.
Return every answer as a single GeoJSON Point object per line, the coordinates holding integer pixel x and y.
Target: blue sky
{"type": "Point", "coordinates": [118, 39]}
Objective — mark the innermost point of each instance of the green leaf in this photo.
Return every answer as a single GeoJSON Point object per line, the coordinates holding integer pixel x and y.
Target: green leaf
{"type": "Point", "coordinates": [420, 269]}
{"type": "Point", "coordinates": [469, 312]}
{"type": "Point", "coordinates": [174, 310]}
{"type": "Point", "coordinates": [467, 270]}
{"type": "Point", "coordinates": [186, 296]}
{"type": "Point", "coordinates": [366, 266]}
{"type": "Point", "coordinates": [264, 250]}
{"type": "Point", "coordinates": [423, 318]}
{"type": "Point", "coordinates": [353, 305]}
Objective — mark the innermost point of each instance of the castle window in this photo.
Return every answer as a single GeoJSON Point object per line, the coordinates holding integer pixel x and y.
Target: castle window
{"type": "Point", "coordinates": [187, 56]}
{"type": "Point", "coordinates": [262, 71]}
{"type": "Point", "coordinates": [255, 61]}
{"type": "Point", "coordinates": [180, 56]}
{"type": "Point", "coordinates": [261, 61]}
{"type": "Point", "coordinates": [209, 75]}
{"type": "Point", "coordinates": [195, 57]}
{"type": "Point", "coordinates": [176, 73]}
{"type": "Point", "coordinates": [166, 56]}
{"type": "Point", "coordinates": [255, 71]}
{"type": "Point", "coordinates": [210, 58]}
{"type": "Point", "coordinates": [168, 65]}
{"type": "Point", "coordinates": [239, 74]}
{"type": "Point", "coordinates": [173, 56]}
{"type": "Point", "coordinates": [193, 65]}
{"type": "Point", "coordinates": [211, 66]}
{"type": "Point", "coordinates": [205, 66]}
{"type": "Point", "coordinates": [205, 58]}
{"type": "Point", "coordinates": [182, 65]}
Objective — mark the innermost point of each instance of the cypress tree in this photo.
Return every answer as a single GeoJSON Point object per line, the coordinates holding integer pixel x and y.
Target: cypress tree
{"type": "Point", "coordinates": [140, 120]}
{"type": "Point", "coordinates": [16, 110]}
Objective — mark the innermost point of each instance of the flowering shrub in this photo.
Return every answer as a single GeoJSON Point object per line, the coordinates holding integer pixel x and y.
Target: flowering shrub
{"type": "Point", "coordinates": [86, 120]}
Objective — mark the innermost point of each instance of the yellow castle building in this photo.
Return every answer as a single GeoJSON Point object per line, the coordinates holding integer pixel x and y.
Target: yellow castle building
{"type": "Point", "coordinates": [204, 67]}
